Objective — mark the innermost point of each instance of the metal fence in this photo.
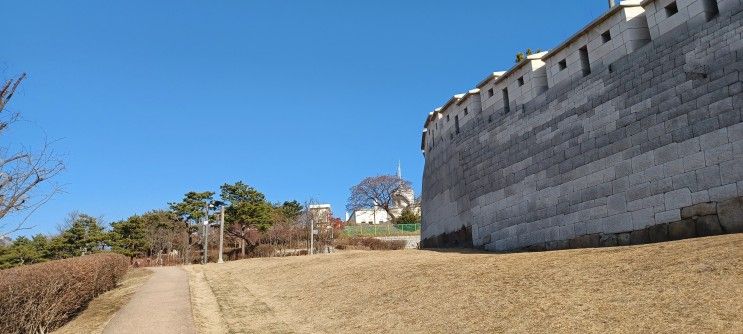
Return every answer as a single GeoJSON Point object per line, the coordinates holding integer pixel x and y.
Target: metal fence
{"type": "Point", "coordinates": [385, 230]}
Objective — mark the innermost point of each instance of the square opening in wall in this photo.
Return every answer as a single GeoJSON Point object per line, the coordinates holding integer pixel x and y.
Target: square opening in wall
{"type": "Point", "coordinates": [711, 9]}
{"type": "Point", "coordinates": [490, 92]}
{"type": "Point", "coordinates": [521, 81]}
{"type": "Point", "coordinates": [506, 102]}
{"type": "Point", "coordinates": [447, 118]}
{"type": "Point", "coordinates": [672, 9]}
{"type": "Point", "coordinates": [563, 64]}
{"type": "Point", "coordinates": [466, 111]}
{"type": "Point", "coordinates": [606, 36]}
{"type": "Point", "coordinates": [585, 63]}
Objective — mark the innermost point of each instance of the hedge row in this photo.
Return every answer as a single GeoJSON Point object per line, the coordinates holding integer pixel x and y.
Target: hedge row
{"type": "Point", "coordinates": [42, 297]}
{"type": "Point", "coordinates": [370, 243]}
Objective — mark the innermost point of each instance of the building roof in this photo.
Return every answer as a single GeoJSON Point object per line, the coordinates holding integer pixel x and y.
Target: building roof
{"type": "Point", "coordinates": [491, 76]}
{"type": "Point", "coordinates": [595, 22]}
{"type": "Point", "coordinates": [469, 93]}
{"type": "Point", "coordinates": [451, 101]}
{"type": "Point", "coordinates": [521, 64]}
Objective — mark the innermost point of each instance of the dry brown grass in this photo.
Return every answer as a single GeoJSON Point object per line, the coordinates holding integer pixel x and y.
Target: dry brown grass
{"type": "Point", "coordinates": [688, 286]}
{"type": "Point", "coordinates": [206, 314]}
{"type": "Point", "coordinates": [100, 311]}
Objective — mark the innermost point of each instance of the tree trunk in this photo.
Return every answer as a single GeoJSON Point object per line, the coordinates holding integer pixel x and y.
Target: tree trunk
{"type": "Point", "coordinates": [187, 246]}
{"type": "Point", "coordinates": [389, 213]}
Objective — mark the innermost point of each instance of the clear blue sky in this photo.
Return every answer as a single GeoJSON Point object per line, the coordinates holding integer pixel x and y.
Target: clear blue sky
{"type": "Point", "coordinates": [301, 99]}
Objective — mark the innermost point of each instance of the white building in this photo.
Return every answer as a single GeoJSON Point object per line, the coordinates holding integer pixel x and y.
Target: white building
{"type": "Point", "coordinates": [369, 216]}
{"type": "Point", "coordinates": [403, 199]}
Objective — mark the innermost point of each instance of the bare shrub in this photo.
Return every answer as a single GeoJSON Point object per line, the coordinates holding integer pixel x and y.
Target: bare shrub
{"type": "Point", "coordinates": [42, 297]}
{"type": "Point", "coordinates": [264, 251]}
{"type": "Point", "coordinates": [370, 244]}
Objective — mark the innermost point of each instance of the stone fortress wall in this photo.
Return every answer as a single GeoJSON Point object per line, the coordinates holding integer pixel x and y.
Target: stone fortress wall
{"type": "Point", "coordinates": [628, 132]}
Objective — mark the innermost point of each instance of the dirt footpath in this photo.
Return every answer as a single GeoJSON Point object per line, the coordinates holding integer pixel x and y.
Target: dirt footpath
{"type": "Point", "coordinates": [162, 305]}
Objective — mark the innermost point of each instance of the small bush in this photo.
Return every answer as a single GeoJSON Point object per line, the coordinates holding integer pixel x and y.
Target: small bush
{"type": "Point", "coordinates": [370, 244]}
{"type": "Point", "coordinates": [42, 297]}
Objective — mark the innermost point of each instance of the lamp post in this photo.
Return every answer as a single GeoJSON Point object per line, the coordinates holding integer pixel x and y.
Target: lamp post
{"type": "Point", "coordinates": [206, 234]}
{"type": "Point", "coordinates": [221, 233]}
{"type": "Point", "coordinates": [312, 233]}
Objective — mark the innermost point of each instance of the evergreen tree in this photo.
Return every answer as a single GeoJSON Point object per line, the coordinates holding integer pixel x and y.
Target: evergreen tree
{"type": "Point", "coordinates": [246, 208]}
{"type": "Point", "coordinates": [128, 237]}
{"type": "Point", "coordinates": [408, 217]}
{"type": "Point", "coordinates": [24, 251]}
{"type": "Point", "coordinates": [85, 235]}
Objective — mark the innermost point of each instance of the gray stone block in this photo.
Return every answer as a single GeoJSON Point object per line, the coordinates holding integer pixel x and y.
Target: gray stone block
{"type": "Point", "coordinates": [639, 237]}
{"type": "Point", "coordinates": [719, 154]}
{"type": "Point", "coordinates": [694, 162]}
{"type": "Point", "coordinates": [620, 185]}
{"type": "Point", "coordinates": [698, 210]}
{"type": "Point", "coordinates": [668, 216]}
{"type": "Point", "coordinates": [724, 192]}
{"type": "Point", "coordinates": [608, 240]}
{"type": "Point", "coordinates": [683, 229]}
{"type": "Point", "coordinates": [642, 162]}
{"type": "Point", "coordinates": [709, 177]}
{"type": "Point", "coordinates": [730, 213]}
{"type": "Point", "coordinates": [673, 168]}
{"type": "Point", "coordinates": [705, 126]}
{"type": "Point", "coordinates": [616, 204]}
{"type": "Point", "coordinates": [677, 199]}
{"type": "Point", "coordinates": [685, 180]}
{"type": "Point", "coordinates": [688, 147]}
{"type": "Point", "coordinates": [661, 186]}
{"type": "Point", "coordinates": [713, 139]}
{"type": "Point", "coordinates": [700, 197]}
{"type": "Point", "coordinates": [638, 192]}
{"type": "Point", "coordinates": [708, 226]}
{"type": "Point", "coordinates": [731, 171]}
{"type": "Point", "coordinates": [585, 241]}
{"type": "Point", "coordinates": [617, 223]}
{"type": "Point", "coordinates": [735, 132]}
{"type": "Point", "coordinates": [666, 153]}
{"type": "Point", "coordinates": [657, 233]}
{"type": "Point", "coordinates": [643, 218]}
{"type": "Point", "coordinates": [624, 239]}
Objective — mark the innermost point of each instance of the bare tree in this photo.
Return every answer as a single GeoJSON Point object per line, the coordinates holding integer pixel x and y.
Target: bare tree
{"type": "Point", "coordinates": [377, 191]}
{"type": "Point", "coordinates": [22, 170]}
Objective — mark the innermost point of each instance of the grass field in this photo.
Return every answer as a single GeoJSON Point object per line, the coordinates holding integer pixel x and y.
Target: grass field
{"type": "Point", "coordinates": [677, 287]}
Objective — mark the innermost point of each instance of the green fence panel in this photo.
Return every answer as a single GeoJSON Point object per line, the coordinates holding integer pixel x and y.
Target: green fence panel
{"type": "Point", "coordinates": [382, 230]}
